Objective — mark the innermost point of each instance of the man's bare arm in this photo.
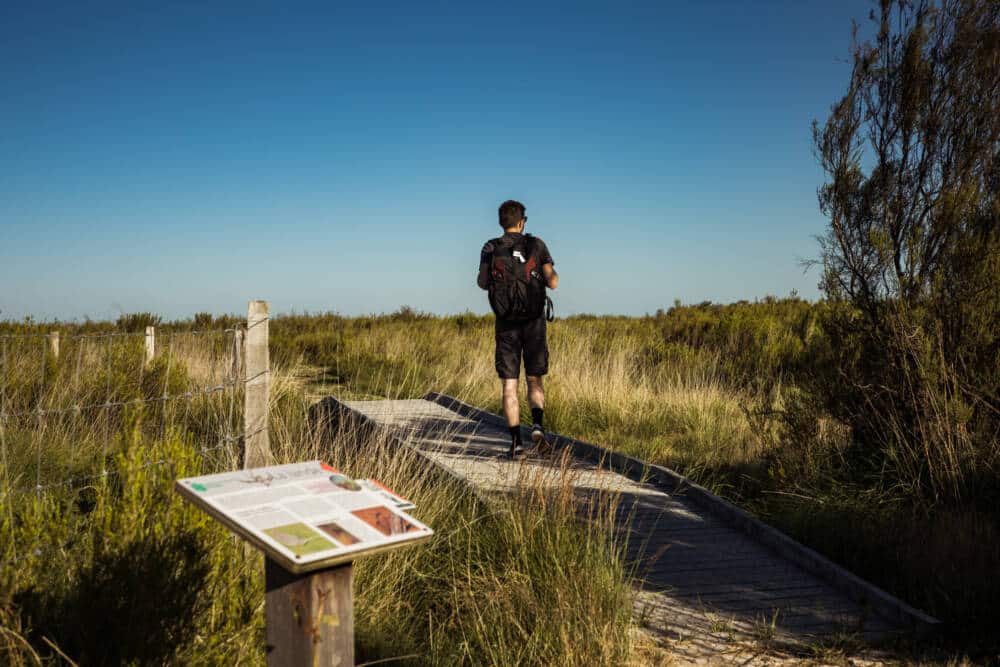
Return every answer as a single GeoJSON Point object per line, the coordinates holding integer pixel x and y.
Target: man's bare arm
{"type": "Point", "coordinates": [550, 275]}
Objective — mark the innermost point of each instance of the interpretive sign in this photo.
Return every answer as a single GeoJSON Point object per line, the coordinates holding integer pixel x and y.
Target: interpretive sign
{"type": "Point", "coordinates": [306, 516]}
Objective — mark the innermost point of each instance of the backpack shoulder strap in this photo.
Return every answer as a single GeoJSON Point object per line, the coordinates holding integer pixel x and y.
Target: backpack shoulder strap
{"type": "Point", "coordinates": [530, 244]}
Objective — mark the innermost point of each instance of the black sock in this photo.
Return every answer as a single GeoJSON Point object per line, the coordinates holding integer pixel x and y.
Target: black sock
{"type": "Point", "coordinates": [515, 435]}
{"type": "Point", "coordinates": [537, 415]}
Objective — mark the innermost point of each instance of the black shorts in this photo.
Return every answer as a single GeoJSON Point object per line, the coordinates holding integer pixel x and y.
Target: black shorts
{"type": "Point", "coordinates": [517, 339]}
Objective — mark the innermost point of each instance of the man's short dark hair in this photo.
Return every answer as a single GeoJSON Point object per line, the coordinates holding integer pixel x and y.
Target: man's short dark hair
{"type": "Point", "coordinates": [511, 213]}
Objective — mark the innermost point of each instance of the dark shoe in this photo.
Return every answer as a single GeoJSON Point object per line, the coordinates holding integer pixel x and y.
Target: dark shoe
{"type": "Point", "coordinates": [542, 445]}
{"type": "Point", "coordinates": [516, 452]}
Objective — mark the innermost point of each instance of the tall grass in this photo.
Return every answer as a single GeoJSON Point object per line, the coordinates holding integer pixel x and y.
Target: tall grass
{"type": "Point", "coordinates": [611, 381]}
{"type": "Point", "coordinates": [726, 394]}
{"type": "Point", "coordinates": [731, 395]}
{"type": "Point", "coordinates": [113, 568]}
{"type": "Point", "coordinates": [65, 416]}
{"type": "Point", "coordinates": [527, 577]}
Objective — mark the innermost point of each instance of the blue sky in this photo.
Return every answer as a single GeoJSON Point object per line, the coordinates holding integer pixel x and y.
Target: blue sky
{"type": "Point", "coordinates": [177, 158]}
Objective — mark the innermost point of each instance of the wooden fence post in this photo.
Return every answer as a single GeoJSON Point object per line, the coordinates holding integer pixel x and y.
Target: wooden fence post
{"type": "Point", "coordinates": [257, 447]}
{"type": "Point", "coordinates": [237, 353]}
{"type": "Point", "coordinates": [309, 617]}
{"type": "Point", "coordinates": [150, 344]}
{"type": "Point", "coordinates": [54, 344]}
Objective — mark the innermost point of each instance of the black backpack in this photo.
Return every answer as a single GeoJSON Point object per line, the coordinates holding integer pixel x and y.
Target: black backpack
{"type": "Point", "coordinates": [517, 288]}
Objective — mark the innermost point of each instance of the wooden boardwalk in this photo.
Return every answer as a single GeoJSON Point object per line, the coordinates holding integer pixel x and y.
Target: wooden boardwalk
{"type": "Point", "coordinates": [709, 575]}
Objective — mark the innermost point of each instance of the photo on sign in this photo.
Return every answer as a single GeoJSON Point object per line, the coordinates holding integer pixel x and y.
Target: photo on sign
{"type": "Point", "coordinates": [385, 520]}
{"type": "Point", "coordinates": [299, 538]}
{"type": "Point", "coordinates": [345, 482]}
{"type": "Point", "coordinates": [338, 533]}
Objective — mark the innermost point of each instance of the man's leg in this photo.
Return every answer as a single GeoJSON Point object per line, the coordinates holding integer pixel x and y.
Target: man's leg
{"type": "Point", "coordinates": [508, 365]}
{"type": "Point", "coordinates": [511, 410]}
{"type": "Point", "coordinates": [536, 364]}
{"type": "Point", "coordinates": [536, 399]}
{"type": "Point", "coordinates": [536, 392]}
{"type": "Point", "coordinates": [513, 414]}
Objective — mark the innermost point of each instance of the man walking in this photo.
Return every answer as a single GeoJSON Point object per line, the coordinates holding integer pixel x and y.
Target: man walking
{"type": "Point", "coordinates": [516, 268]}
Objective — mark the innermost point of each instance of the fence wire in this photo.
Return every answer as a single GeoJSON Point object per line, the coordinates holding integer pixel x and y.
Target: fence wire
{"type": "Point", "coordinates": [88, 386]}
{"type": "Point", "coordinates": [73, 397]}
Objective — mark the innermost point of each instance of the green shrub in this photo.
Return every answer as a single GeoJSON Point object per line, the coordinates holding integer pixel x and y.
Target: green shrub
{"type": "Point", "coordinates": [137, 322]}
{"type": "Point", "coordinates": [141, 574]}
{"type": "Point", "coordinates": [911, 258]}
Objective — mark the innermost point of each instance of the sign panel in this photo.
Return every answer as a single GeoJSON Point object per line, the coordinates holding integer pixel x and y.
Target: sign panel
{"type": "Point", "coordinates": [306, 516]}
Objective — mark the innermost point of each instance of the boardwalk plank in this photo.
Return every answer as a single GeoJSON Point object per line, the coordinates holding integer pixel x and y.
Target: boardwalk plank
{"type": "Point", "coordinates": [811, 592]}
{"type": "Point", "coordinates": [694, 568]}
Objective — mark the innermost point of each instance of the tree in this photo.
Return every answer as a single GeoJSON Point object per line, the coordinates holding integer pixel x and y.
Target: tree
{"type": "Point", "coordinates": [911, 257]}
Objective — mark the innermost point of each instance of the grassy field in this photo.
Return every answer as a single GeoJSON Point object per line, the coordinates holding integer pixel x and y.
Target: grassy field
{"type": "Point", "coordinates": [721, 393]}
{"type": "Point", "coordinates": [725, 394]}
{"type": "Point", "coordinates": [101, 563]}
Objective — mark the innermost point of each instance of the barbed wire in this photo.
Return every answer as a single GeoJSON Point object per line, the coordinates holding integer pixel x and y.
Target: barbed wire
{"type": "Point", "coordinates": [74, 482]}
{"type": "Point", "coordinates": [231, 365]}
{"type": "Point", "coordinates": [226, 360]}
{"type": "Point", "coordinates": [202, 332]}
{"type": "Point", "coordinates": [205, 391]}
{"type": "Point", "coordinates": [160, 331]}
{"type": "Point", "coordinates": [31, 335]}
{"type": "Point", "coordinates": [104, 474]}
{"type": "Point", "coordinates": [117, 404]}
{"type": "Point", "coordinates": [110, 334]}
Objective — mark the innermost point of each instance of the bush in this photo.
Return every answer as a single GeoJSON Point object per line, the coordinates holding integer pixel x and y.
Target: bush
{"type": "Point", "coordinates": [140, 573]}
{"type": "Point", "coordinates": [912, 256]}
{"type": "Point", "coordinates": [760, 343]}
{"type": "Point", "coordinates": [137, 322]}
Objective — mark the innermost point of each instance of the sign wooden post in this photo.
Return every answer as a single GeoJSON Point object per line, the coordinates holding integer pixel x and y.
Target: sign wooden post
{"type": "Point", "coordinates": [311, 522]}
{"type": "Point", "coordinates": [54, 344]}
{"type": "Point", "coordinates": [150, 344]}
{"type": "Point", "coordinates": [257, 448]}
{"type": "Point", "coordinates": [310, 617]}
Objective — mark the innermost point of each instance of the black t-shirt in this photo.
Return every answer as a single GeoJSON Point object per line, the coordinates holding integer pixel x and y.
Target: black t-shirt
{"type": "Point", "coordinates": [541, 252]}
